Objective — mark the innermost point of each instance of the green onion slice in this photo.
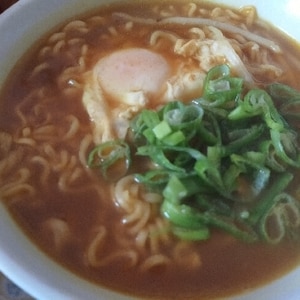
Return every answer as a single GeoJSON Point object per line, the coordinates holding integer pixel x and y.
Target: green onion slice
{"type": "Point", "coordinates": [112, 158]}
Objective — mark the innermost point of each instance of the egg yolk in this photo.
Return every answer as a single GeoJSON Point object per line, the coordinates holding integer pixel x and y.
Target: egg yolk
{"type": "Point", "coordinates": [132, 70]}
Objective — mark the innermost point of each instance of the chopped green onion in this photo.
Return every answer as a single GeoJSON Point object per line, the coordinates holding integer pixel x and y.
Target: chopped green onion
{"type": "Point", "coordinates": [279, 145]}
{"type": "Point", "coordinates": [219, 161]}
{"type": "Point", "coordinates": [250, 136]}
{"type": "Point", "coordinates": [258, 102]}
{"type": "Point", "coordinates": [108, 155]}
{"type": "Point", "coordinates": [182, 215]}
{"type": "Point", "coordinates": [211, 175]}
{"type": "Point", "coordinates": [185, 217]}
{"type": "Point", "coordinates": [287, 216]}
{"type": "Point", "coordinates": [174, 138]}
{"type": "Point", "coordinates": [149, 135]}
{"type": "Point", "coordinates": [161, 130]}
{"type": "Point", "coordinates": [150, 118]}
{"type": "Point", "coordinates": [269, 198]}
{"type": "Point", "coordinates": [220, 88]}
{"type": "Point", "coordinates": [175, 190]}
{"type": "Point", "coordinates": [200, 234]}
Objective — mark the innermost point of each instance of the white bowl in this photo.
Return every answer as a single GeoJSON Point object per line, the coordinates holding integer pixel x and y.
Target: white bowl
{"type": "Point", "coordinates": [20, 259]}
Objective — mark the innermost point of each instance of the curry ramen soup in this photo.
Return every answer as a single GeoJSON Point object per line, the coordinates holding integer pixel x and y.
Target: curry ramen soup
{"type": "Point", "coordinates": [80, 86]}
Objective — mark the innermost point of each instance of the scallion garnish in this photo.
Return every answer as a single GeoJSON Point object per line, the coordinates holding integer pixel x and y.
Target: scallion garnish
{"type": "Point", "coordinates": [219, 161]}
{"type": "Point", "coordinates": [111, 158]}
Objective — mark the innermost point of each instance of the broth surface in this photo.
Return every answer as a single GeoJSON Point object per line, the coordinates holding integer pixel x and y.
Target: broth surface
{"type": "Point", "coordinates": [68, 209]}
